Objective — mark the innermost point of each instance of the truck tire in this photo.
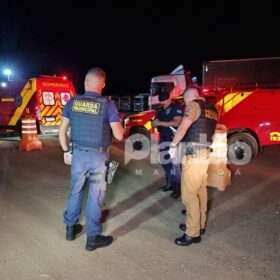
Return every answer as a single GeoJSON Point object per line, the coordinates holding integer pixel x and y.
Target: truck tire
{"type": "Point", "coordinates": [140, 138]}
{"type": "Point", "coordinates": [242, 147]}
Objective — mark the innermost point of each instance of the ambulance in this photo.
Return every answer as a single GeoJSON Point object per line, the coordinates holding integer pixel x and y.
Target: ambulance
{"type": "Point", "coordinates": [42, 98]}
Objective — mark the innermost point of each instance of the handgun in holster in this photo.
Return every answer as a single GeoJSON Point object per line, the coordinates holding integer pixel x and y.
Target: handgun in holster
{"type": "Point", "coordinates": [110, 171]}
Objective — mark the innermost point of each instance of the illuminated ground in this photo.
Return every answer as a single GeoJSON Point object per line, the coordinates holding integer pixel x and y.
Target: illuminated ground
{"type": "Point", "coordinates": [242, 240]}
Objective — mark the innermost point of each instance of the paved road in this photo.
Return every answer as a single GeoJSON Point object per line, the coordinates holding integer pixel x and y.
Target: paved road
{"type": "Point", "coordinates": [242, 239]}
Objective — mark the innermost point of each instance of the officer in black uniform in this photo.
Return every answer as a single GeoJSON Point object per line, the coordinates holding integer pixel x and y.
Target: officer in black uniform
{"type": "Point", "coordinates": [168, 116]}
{"type": "Point", "coordinates": [92, 118]}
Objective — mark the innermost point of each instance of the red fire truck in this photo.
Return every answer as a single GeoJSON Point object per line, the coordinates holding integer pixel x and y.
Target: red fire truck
{"type": "Point", "coordinates": [140, 123]}
{"type": "Point", "coordinates": [246, 93]}
{"type": "Point", "coordinates": [43, 98]}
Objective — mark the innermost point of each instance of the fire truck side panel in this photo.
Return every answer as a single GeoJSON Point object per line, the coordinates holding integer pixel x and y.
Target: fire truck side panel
{"type": "Point", "coordinates": [257, 112]}
{"type": "Point", "coordinates": [247, 104]}
{"type": "Point", "coordinates": [23, 102]}
{"type": "Point", "coordinates": [142, 119]}
{"type": "Point", "coordinates": [7, 109]}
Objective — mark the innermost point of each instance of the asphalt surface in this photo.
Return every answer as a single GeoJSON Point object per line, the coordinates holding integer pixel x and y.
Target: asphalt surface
{"type": "Point", "coordinates": [242, 239]}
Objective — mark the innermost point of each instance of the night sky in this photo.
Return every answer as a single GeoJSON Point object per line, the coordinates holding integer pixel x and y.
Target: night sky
{"type": "Point", "coordinates": [132, 42]}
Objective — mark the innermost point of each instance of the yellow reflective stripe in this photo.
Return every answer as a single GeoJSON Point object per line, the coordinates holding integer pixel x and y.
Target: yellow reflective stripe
{"type": "Point", "coordinates": [148, 125]}
{"type": "Point", "coordinates": [231, 100]}
{"type": "Point", "coordinates": [44, 110]}
{"type": "Point", "coordinates": [49, 124]}
{"type": "Point", "coordinates": [137, 115]}
{"type": "Point", "coordinates": [56, 112]}
{"type": "Point", "coordinates": [50, 111]}
{"type": "Point", "coordinates": [26, 94]}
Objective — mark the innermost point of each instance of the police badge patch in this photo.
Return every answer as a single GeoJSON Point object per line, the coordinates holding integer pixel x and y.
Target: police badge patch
{"type": "Point", "coordinates": [89, 107]}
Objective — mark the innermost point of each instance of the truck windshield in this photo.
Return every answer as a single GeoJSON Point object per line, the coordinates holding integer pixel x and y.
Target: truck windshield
{"type": "Point", "coordinates": [158, 87]}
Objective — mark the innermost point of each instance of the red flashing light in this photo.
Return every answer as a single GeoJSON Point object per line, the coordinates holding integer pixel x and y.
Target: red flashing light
{"type": "Point", "coordinates": [64, 78]}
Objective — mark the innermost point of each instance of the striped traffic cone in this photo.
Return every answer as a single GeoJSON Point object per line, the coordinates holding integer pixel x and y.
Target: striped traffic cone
{"type": "Point", "coordinates": [29, 138]}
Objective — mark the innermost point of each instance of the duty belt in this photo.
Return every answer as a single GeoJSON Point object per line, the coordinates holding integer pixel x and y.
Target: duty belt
{"type": "Point", "coordinates": [100, 149]}
{"type": "Point", "coordinates": [193, 149]}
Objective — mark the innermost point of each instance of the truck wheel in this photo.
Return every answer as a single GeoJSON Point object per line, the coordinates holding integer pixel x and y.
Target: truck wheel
{"type": "Point", "coordinates": [242, 147]}
{"type": "Point", "coordinates": [140, 138]}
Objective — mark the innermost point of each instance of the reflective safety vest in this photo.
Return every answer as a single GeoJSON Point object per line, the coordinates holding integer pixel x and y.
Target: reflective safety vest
{"type": "Point", "coordinates": [90, 127]}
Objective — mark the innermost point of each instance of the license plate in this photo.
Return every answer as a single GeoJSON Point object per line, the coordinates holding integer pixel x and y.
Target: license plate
{"type": "Point", "coordinates": [50, 119]}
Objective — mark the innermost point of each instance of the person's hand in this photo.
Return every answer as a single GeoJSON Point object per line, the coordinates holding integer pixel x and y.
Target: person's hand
{"type": "Point", "coordinates": [172, 151]}
{"type": "Point", "coordinates": [155, 123]}
{"type": "Point", "coordinates": [67, 157]}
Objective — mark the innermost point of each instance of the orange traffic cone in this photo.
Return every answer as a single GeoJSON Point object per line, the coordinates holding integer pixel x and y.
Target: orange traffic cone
{"type": "Point", "coordinates": [29, 139]}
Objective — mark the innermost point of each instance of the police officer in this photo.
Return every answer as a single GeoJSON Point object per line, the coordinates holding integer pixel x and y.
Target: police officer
{"type": "Point", "coordinates": [196, 130]}
{"type": "Point", "coordinates": [91, 118]}
{"type": "Point", "coordinates": [167, 116]}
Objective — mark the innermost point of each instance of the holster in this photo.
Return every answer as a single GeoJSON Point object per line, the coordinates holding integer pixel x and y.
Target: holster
{"type": "Point", "coordinates": [110, 171]}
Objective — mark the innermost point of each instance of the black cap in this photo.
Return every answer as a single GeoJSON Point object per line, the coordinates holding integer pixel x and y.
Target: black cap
{"type": "Point", "coordinates": [163, 96]}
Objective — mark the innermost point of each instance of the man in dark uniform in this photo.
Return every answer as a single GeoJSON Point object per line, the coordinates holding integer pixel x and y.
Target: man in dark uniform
{"type": "Point", "coordinates": [196, 130]}
{"type": "Point", "coordinates": [167, 116]}
{"type": "Point", "coordinates": [91, 118]}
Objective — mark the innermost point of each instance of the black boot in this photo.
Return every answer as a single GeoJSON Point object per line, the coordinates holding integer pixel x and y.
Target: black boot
{"type": "Point", "coordinates": [177, 191]}
{"type": "Point", "coordinates": [184, 228]}
{"type": "Point", "coordinates": [167, 187]}
{"type": "Point", "coordinates": [72, 231]}
{"type": "Point", "coordinates": [98, 241]}
{"type": "Point", "coordinates": [186, 240]}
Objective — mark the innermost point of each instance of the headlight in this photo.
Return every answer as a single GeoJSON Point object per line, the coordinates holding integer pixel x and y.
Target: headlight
{"type": "Point", "coordinates": [126, 121]}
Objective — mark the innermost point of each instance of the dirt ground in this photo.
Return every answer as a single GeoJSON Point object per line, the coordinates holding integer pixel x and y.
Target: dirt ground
{"type": "Point", "coordinates": [242, 240]}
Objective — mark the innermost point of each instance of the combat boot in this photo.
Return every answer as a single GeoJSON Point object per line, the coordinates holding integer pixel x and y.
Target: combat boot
{"type": "Point", "coordinates": [72, 231]}
{"type": "Point", "coordinates": [176, 191]}
{"type": "Point", "coordinates": [168, 187]}
{"type": "Point", "coordinates": [98, 241]}
{"type": "Point", "coordinates": [183, 227]}
{"type": "Point", "coordinates": [186, 240]}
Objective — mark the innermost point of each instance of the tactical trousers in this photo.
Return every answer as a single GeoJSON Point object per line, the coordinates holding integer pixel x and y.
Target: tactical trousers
{"type": "Point", "coordinates": [194, 191]}
{"type": "Point", "coordinates": [88, 168]}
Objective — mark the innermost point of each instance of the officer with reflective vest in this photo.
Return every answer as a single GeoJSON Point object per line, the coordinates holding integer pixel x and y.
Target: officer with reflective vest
{"type": "Point", "coordinates": [168, 116]}
{"type": "Point", "coordinates": [92, 119]}
{"type": "Point", "coordinates": [196, 130]}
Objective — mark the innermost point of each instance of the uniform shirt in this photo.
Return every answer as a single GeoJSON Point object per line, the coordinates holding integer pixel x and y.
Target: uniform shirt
{"type": "Point", "coordinates": [167, 115]}
{"type": "Point", "coordinates": [112, 112]}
